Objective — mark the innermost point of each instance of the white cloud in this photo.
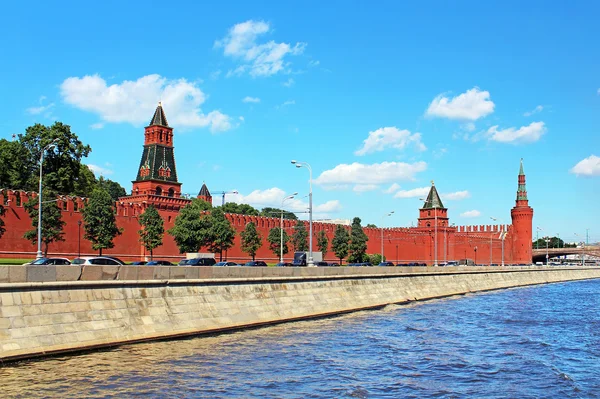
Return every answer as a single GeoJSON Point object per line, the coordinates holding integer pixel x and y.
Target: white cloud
{"type": "Point", "coordinates": [471, 105]}
{"type": "Point", "coordinates": [537, 109]}
{"type": "Point", "coordinates": [314, 63]}
{"type": "Point", "coordinates": [415, 192]}
{"type": "Point", "coordinates": [39, 110]}
{"type": "Point", "coordinates": [285, 104]}
{"type": "Point", "coordinates": [525, 134]}
{"type": "Point", "coordinates": [392, 189]}
{"type": "Point", "coordinates": [272, 198]}
{"type": "Point", "coordinates": [99, 170]}
{"type": "Point", "coordinates": [215, 75]}
{"type": "Point", "coordinates": [598, 92]}
{"type": "Point", "coordinates": [456, 196]}
{"type": "Point", "coordinates": [386, 137]}
{"type": "Point", "coordinates": [264, 59]}
{"type": "Point", "coordinates": [249, 99]}
{"type": "Point", "coordinates": [357, 173]}
{"type": "Point", "coordinates": [97, 126]}
{"type": "Point", "coordinates": [470, 214]}
{"type": "Point", "coordinates": [361, 188]}
{"type": "Point", "coordinates": [289, 83]}
{"type": "Point", "coordinates": [589, 166]}
{"type": "Point", "coordinates": [135, 101]}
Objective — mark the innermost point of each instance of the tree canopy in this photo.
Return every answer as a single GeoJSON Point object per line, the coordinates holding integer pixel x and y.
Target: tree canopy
{"type": "Point", "coordinates": [152, 231]}
{"type": "Point", "coordinates": [240, 209]}
{"type": "Point", "coordinates": [189, 229]}
{"type": "Point", "coordinates": [251, 240]}
{"type": "Point", "coordinates": [358, 242]}
{"type": "Point", "coordinates": [99, 220]}
{"type": "Point", "coordinates": [220, 234]}
{"type": "Point", "coordinates": [52, 223]}
{"type": "Point", "coordinates": [274, 240]}
{"type": "Point", "coordinates": [276, 212]}
{"type": "Point", "coordinates": [339, 244]}
{"type": "Point", "coordinates": [300, 236]}
{"type": "Point", "coordinates": [323, 243]}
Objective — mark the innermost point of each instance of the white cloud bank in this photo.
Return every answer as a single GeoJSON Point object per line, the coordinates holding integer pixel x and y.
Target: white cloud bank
{"type": "Point", "coordinates": [258, 59]}
{"type": "Point", "coordinates": [272, 198]}
{"type": "Point", "coordinates": [456, 196]}
{"type": "Point", "coordinates": [390, 137]}
{"type": "Point", "coordinates": [471, 105]}
{"type": "Point", "coordinates": [249, 99]}
{"type": "Point", "coordinates": [358, 173]}
{"type": "Point", "coordinates": [470, 214]}
{"type": "Point", "coordinates": [424, 191]}
{"type": "Point", "coordinates": [537, 109]}
{"type": "Point", "coordinates": [135, 101]}
{"type": "Point", "coordinates": [525, 134]}
{"type": "Point", "coordinates": [99, 170]}
{"type": "Point", "coordinates": [589, 166]}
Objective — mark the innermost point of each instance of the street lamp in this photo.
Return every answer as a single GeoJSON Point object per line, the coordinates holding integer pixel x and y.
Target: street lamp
{"type": "Point", "coordinates": [389, 214]}
{"type": "Point", "coordinates": [281, 226]}
{"type": "Point", "coordinates": [547, 241]}
{"type": "Point", "coordinates": [537, 237]}
{"type": "Point", "coordinates": [310, 210]}
{"type": "Point", "coordinates": [39, 229]}
{"type": "Point", "coordinates": [79, 238]}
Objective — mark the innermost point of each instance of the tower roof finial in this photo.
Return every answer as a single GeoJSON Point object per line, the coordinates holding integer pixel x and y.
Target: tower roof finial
{"type": "Point", "coordinates": [159, 118]}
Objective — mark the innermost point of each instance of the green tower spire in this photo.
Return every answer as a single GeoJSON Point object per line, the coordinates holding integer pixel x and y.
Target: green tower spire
{"type": "Point", "coordinates": [522, 190]}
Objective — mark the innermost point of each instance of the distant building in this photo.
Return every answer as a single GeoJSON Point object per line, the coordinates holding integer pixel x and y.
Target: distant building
{"type": "Point", "coordinates": [343, 222]}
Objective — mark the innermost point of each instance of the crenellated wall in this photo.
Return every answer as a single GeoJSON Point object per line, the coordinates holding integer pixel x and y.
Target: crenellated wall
{"type": "Point", "coordinates": [401, 244]}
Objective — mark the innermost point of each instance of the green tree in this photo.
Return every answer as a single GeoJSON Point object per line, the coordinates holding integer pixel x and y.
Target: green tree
{"type": "Point", "coordinates": [241, 209]}
{"type": "Point", "coordinates": [62, 165]}
{"type": "Point", "coordinates": [52, 223]}
{"type": "Point", "coordinates": [371, 225]}
{"type": "Point", "coordinates": [322, 243]}
{"type": "Point", "coordinates": [251, 240]}
{"type": "Point", "coordinates": [114, 189]}
{"type": "Point", "coordinates": [85, 183]}
{"type": "Point", "coordinates": [152, 231]}
{"type": "Point", "coordinates": [16, 168]}
{"type": "Point", "coordinates": [375, 259]}
{"type": "Point", "coordinates": [340, 242]}
{"type": "Point", "coordinates": [276, 212]}
{"type": "Point", "coordinates": [190, 227]}
{"type": "Point", "coordinates": [220, 234]}
{"type": "Point", "coordinates": [554, 242]}
{"type": "Point", "coordinates": [300, 236]}
{"type": "Point", "coordinates": [99, 220]}
{"type": "Point", "coordinates": [274, 240]}
{"type": "Point", "coordinates": [358, 242]}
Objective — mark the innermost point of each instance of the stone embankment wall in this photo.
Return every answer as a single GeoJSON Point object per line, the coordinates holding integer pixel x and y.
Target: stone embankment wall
{"type": "Point", "coordinates": [59, 309]}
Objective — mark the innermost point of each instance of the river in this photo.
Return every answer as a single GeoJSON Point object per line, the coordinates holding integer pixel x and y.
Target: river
{"type": "Point", "coordinates": [534, 342]}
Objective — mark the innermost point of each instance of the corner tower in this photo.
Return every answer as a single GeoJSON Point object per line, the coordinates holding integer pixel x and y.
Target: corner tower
{"type": "Point", "coordinates": [522, 218]}
{"type": "Point", "coordinates": [433, 212]}
{"type": "Point", "coordinates": [157, 174]}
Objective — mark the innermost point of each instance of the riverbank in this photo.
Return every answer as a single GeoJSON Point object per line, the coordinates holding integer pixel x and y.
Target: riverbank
{"type": "Point", "coordinates": [64, 308]}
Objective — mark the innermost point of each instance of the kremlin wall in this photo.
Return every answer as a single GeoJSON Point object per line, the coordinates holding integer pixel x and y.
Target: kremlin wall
{"type": "Point", "coordinates": [156, 184]}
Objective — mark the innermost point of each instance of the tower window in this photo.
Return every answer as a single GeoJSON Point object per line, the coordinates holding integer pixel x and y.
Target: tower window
{"type": "Point", "coordinates": [171, 192]}
{"type": "Point", "coordinates": [158, 191]}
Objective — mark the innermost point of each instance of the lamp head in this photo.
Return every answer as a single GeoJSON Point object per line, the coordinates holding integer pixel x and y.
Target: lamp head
{"type": "Point", "coordinates": [294, 194]}
{"type": "Point", "coordinates": [294, 161]}
{"type": "Point", "coordinates": [234, 192]}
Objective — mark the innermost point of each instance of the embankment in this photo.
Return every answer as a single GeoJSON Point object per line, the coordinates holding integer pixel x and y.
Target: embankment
{"type": "Point", "coordinates": [49, 310]}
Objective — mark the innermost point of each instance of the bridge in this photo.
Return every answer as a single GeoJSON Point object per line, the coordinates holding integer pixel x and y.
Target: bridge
{"type": "Point", "coordinates": [539, 255]}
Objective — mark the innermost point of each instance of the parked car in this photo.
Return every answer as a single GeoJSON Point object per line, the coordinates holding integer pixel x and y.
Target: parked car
{"type": "Point", "coordinates": [159, 263]}
{"type": "Point", "coordinates": [225, 263]}
{"type": "Point", "coordinates": [200, 262]}
{"type": "Point", "coordinates": [280, 264]}
{"type": "Point", "coordinates": [255, 263]}
{"type": "Point", "coordinates": [49, 261]}
{"type": "Point", "coordinates": [97, 260]}
{"type": "Point", "coordinates": [183, 262]}
{"type": "Point", "coordinates": [321, 263]}
{"type": "Point", "coordinates": [333, 264]}
{"type": "Point", "coordinates": [386, 264]}
{"type": "Point", "coordinates": [139, 263]}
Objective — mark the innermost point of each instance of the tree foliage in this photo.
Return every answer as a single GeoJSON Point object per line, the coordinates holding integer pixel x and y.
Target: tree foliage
{"type": "Point", "coordinates": [240, 209]}
{"type": "Point", "coordinates": [323, 243]}
{"type": "Point", "coordinates": [340, 242]}
{"type": "Point", "coordinates": [220, 234]}
{"type": "Point", "coordinates": [52, 223]}
{"type": "Point", "coordinates": [276, 212]}
{"type": "Point", "coordinates": [152, 229]}
{"type": "Point", "coordinates": [16, 168]}
{"type": "Point", "coordinates": [371, 225]}
{"type": "Point", "coordinates": [358, 242]}
{"type": "Point", "coordinates": [274, 240]}
{"type": "Point", "coordinates": [554, 242]}
{"type": "Point", "coordinates": [189, 228]}
{"type": "Point", "coordinates": [300, 236]}
{"type": "Point", "coordinates": [99, 220]}
{"type": "Point", "coordinates": [114, 189]}
{"type": "Point", "coordinates": [375, 259]}
{"type": "Point", "coordinates": [251, 240]}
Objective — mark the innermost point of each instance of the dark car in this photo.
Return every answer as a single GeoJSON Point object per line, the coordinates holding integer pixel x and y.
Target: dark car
{"type": "Point", "coordinates": [200, 262]}
{"type": "Point", "coordinates": [225, 263]}
{"type": "Point", "coordinates": [386, 264]}
{"type": "Point", "coordinates": [139, 263]}
{"type": "Point", "coordinates": [280, 264]}
{"type": "Point", "coordinates": [321, 263]}
{"type": "Point", "coordinates": [255, 263]}
{"type": "Point", "coordinates": [49, 261]}
{"type": "Point", "coordinates": [183, 262]}
{"type": "Point", "coordinates": [159, 263]}
{"type": "Point", "coordinates": [333, 264]}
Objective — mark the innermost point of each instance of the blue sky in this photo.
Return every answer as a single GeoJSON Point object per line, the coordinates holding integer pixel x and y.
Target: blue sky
{"type": "Point", "coordinates": [378, 99]}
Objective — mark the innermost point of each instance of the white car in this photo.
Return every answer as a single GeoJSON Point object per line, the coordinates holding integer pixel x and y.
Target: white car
{"type": "Point", "coordinates": [97, 260]}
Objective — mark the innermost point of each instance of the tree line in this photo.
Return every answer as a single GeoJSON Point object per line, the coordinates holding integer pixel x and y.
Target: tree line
{"type": "Point", "coordinates": [555, 242]}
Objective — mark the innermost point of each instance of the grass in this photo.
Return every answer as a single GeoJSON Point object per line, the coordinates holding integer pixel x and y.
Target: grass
{"type": "Point", "coordinates": [9, 261]}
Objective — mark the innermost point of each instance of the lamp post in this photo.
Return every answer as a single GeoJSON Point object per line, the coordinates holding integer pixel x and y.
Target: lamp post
{"type": "Point", "coordinates": [383, 217]}
{"type": "Point", "coordinates": [475, 249]}
{"type": "Point", "coordinates": [547, 241]}
{"type": "Point", "coordinates": [39, 229]}
{"type": "Point", "coordinates": [491, 243]}
{"type": "Point", "coordinates": [79, 238]}
{"type": "Point", "coordinates": [310, 210]}
{"type": "Point", "coordinates": [281, 226]}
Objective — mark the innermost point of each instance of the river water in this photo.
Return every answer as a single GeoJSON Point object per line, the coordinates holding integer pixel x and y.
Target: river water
{"type": "Point", "coordinates": [535, 342]}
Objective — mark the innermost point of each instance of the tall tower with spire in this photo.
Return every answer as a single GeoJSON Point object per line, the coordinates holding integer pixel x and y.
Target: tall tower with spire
{"type": "Point", "coordinates": [157, 174]}
{"type": "Point", "coordinates": [433, 212]}
{"type": "Point", "coordinates": [522, 219]}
